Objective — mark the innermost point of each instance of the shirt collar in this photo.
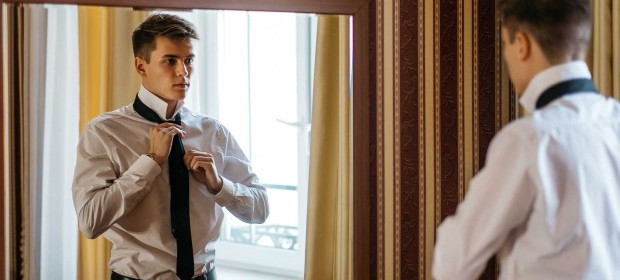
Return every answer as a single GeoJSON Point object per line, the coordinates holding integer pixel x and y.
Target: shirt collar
{"type": "Point", "coordinates": [549, 77]}
{"type": "Point", "coordinates": [156, 104]}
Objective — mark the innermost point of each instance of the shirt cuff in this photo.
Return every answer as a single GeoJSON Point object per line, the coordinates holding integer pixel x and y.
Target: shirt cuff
{"type": "Point", "coordinates": [226, 194]}
{"type": "Point", "coordinates": [146, 167]}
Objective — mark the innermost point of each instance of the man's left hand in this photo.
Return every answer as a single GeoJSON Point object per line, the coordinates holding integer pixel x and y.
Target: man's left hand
{"type": "Point", "coordinates": [202, 167]}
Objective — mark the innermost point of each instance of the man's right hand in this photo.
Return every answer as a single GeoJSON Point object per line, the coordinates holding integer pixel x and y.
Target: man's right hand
{"type": "Point", "coordinates": [161, 140]}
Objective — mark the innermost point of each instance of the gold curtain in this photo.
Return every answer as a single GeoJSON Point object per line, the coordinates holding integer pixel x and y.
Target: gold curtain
{"type": "Point", "coordinates": [106, 83]}
{"type": "Point", "coordinates": [329, 236]}
{"type": "Point", "coordinates": [605, 51]}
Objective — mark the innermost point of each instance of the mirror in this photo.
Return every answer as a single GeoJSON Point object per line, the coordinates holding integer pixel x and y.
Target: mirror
{"type": "Point", "coordinates": [362, 136]}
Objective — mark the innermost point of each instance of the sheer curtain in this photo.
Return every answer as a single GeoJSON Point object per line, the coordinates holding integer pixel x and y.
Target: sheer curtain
{"type": "Point", "coordinates": [33, 101]}
{"type": "Point", "coordinates": [60, 136]}
{"type": "Point", "coordinates": [50, 96]}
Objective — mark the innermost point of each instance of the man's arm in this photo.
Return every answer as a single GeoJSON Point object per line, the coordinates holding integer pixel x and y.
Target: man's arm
{"type": "Point", "coordinates": [101, 196]}
{"type": "Point", "coordinates": [247, 201]}
{"type": "Point", "coordinates": [235, 187]}
{"type": "Point", "coordinates": [499, 199]}
{"type": "Point", "coordinates": [241, 192]}
{"type": "Point", "coordinates": [243, 197]}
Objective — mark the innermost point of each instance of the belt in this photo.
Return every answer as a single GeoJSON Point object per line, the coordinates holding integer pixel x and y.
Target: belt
{"type": "Point", "coordinates": [205, 276]}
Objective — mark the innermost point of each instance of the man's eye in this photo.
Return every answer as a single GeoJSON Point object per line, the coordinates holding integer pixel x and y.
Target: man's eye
{"type": "Point", "coordinates": [189, 61]}
{"type": "Point", "coordinates": [171, 61]}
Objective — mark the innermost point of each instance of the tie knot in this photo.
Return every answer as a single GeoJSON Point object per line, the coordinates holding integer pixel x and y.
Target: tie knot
{"type": "Point", "coordinates": [176, 119]}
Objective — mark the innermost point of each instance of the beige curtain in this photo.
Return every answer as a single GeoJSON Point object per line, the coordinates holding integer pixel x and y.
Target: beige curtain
{"type": "Point", "coordinates": [24, 52]}
{"type": "Point", "coordinates": [107, 81]}
{"type": "Point", "coordinates": [605, 51]}
{"type": "Point", "coordinates": [329, 236]}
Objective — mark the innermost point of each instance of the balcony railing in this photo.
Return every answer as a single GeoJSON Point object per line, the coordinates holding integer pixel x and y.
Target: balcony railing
{"type": "Point", "coordinates": [274, 233]}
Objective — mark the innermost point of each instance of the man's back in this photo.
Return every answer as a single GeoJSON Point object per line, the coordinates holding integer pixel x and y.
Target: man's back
{"type": "Point", "coordinates": [547, 201]}
{"type": "Point", "coordinates": [574, 225]}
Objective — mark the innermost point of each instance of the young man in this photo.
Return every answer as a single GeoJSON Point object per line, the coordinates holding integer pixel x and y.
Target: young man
{"type": "Point", "coordinates": [152, 177]}
{"type": "Point", "coordinates": [547, 201]}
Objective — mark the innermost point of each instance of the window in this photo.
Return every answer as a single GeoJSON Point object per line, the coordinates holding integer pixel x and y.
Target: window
{"type": "Point", "coordinates": [254, 74]}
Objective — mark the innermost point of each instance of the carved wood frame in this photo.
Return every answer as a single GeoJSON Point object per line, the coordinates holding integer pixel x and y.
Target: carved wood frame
{"type": "Point", "coordinates": [364, 113]}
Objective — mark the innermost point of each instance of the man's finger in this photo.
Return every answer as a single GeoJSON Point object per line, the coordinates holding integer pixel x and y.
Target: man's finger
{"type": "Point", "coordinates": [187, 158]}
{"type": "Point", "coordinates": [196, 152]}
{"type": "Point", "coordinates": [171, 131]}
{"type": "Point", "coordinates": [168, 124]}
{"type": "Point", "coordinates": [198, 159]}
{"type": "Point", "coordinates": [201, 158]}
{"type": "Point", "coordinates": [197, 165]}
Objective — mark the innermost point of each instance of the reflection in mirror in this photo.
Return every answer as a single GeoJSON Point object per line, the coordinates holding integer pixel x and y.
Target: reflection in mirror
{"type": "Point", "coordinates": [256, 79]}
{"type": "Point", "coordinates": [253, 71]}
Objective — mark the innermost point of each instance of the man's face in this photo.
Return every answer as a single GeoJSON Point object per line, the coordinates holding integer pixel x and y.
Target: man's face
{"type": "Point", "coordinates": [512, 57]}
{"type": "Point", "coordinates": [168, 72]}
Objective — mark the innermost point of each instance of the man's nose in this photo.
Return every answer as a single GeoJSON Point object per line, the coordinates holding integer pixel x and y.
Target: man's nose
{"type": "Point", "coordinates": [182, 69]}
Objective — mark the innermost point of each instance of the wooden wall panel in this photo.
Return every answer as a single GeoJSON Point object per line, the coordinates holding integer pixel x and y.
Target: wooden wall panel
{"type": "Point", "coordinates": [488, 95]}
{"type": "Point", "coordinates": [372, 126]}
{"type": "Point", "coordinates": [407, 93]}
{"type": "Point", "coordinates": [449, 74]}
{"type": "Point", "coordinates": [469, 100]}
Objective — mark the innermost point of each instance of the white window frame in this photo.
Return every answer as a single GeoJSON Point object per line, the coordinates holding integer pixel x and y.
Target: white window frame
{"type": "Point", "coordinates": [282, 262]}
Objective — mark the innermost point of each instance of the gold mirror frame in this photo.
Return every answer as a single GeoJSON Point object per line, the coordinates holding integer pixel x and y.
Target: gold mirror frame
{"type": "Point", "coordinates": [364, 108]}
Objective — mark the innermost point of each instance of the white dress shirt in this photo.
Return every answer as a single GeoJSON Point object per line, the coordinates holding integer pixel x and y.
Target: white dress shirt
{"type": "Point", "coordinates": [121, 193]}
{"type": "Point", "coordinates": [547, 201]}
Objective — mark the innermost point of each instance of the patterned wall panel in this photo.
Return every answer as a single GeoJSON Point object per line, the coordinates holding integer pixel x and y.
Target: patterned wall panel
{"type": "Point", "coordinates": [450, 76]}
{"type": "Point", "coordinates": [408, 67]}
{"type": "Point", "coordinates": [468, 100]}
{"type": "Point", "coordinates": [373, 140]}
{"type": "Point", "coordinates": [488, 94]}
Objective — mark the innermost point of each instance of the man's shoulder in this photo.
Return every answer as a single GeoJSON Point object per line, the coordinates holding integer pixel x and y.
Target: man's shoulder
{"type": "Point", "coordinates": [614, 105]}
{"type": "Point", "coordinates": [521, 127]}
{"type": "Point", "coordinates": [575, 109]}
{"type": "Point", "coordinates": [187, 113]}
{"type": "Point", "coordinates": [202, 120]}
{"type": "Point", "coordinates": [107, 117]}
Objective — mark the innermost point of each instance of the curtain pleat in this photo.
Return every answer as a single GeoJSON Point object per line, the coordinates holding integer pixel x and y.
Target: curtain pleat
{"type": "Point", "coordinates": [329, 236]}
{"type": "Point", "coordinates": [605, 51]}
{"type": "Point", "coordinates": [14, 140]}
{"type": "Point", "coordinates": [59, 233]}
{"type": "Point", "coordinates": [33, 81]}
{"type": "Point", "coordinates": [93, 255]}
{"type": "Point", "coordinates": [106, 83]}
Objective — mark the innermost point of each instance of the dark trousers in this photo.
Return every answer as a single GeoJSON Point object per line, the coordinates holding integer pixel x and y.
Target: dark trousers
{"type": "Point", "coordinates": [205, 276]}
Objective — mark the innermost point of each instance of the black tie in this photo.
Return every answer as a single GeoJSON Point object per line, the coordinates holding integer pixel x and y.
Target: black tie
{"type": "Point", "coordinates": [179, 195]}
{"type": "Point", "coordinates": [565, 88]}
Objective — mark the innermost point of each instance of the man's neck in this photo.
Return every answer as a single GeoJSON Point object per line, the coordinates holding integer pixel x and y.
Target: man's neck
{"type": "Point", "coordinates": [172, 106]}
{"type": "Point", "coordinates": [543, 64]}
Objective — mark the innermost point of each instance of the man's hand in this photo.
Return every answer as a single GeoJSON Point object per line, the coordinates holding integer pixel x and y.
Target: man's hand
{"type": "Point", "coordinates": [203, 169]}
{"type": "Point", "coordinates": [161, 140]}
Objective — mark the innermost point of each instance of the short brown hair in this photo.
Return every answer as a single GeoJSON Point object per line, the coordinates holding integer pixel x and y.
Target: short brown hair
{"type": "Point", "coordinates": [561, 27]}
{"type": "Point", "coordinates": [160, 25]}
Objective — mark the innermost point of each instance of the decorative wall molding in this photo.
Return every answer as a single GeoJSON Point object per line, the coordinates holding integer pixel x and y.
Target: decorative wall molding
{"type": "Point", "coordinates": [451, 96]}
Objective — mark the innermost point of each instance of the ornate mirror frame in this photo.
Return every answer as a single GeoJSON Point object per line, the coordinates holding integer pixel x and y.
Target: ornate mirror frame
{"type": "Point", "coordinates": [364, 114]}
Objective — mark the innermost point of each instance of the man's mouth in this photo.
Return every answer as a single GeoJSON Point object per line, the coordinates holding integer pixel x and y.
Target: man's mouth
{"type": "Point", "coordinates": [181, 85]}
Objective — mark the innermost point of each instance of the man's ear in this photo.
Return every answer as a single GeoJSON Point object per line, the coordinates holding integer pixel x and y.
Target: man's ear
{"type": "Point", "coordinates": [524, 42]}
{"type": "Point", "coordinates": [140, 66]}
